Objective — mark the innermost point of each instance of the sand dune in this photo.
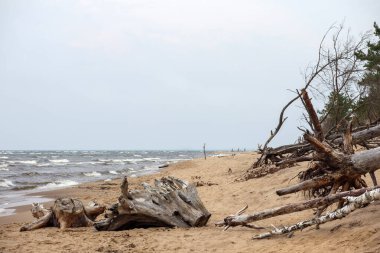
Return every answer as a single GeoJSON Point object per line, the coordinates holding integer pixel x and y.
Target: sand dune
{"type": "Point", "coordinates": [359, 232]}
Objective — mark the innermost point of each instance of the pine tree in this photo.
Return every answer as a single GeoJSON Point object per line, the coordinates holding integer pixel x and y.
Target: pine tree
{"type": "Point", "coordinates": [369, 105]}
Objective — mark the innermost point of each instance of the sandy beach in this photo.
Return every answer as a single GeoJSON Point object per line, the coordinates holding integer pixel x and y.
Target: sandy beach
{"type": "Point", "coordinates": [359, 232]}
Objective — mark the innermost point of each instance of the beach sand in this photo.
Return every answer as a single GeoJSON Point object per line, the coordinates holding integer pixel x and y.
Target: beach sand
{"type": "Point", "coordinates": [358, 232]}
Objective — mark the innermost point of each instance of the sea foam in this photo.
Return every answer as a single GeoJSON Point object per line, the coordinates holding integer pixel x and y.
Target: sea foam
{"type": "Point", "coordinates": [58, 184]}
{"type": "Point", "coordinates": [6, 183]}
{"type": "Point", "coordinates": [59, 161]}
{"type": "Point", "coordinates": [28, 162]}
{"type": "Point", "coordinates": [92, 174]}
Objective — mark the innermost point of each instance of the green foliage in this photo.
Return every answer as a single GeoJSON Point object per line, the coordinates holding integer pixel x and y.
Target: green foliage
{"type": "Point", "coordinates": [369, 105]}
{"type": "Point", "coordinates": [338, 107]}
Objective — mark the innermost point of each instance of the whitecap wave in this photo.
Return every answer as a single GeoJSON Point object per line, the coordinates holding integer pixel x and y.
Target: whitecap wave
{"type": "Point", "coordinates": [3, 157]}
{"type": "Point", "coordinates": [43, 164]}
{"type": "Point", "coordinates": [3, 167]}
{"type": "Point", "coordinates": [92, 174]}
{"type": "Point", "coordinates": [31, 162]}
{"type": "Point", "coordinates": [6, 183]}
{"type": "Point", "coordinates": [59, 160]}
{"type": "Point", "coordinates": [133, 161]}
{"type": "Point", "coordinates": [58, 184]}
{"type": "Point", "coordinates": [152, 159]}
{"type": "Point", "coordinates": [113, 172]}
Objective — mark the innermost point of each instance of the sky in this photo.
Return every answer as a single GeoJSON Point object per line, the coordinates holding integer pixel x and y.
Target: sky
{"type": "Point", "coordinates": [167, 74]}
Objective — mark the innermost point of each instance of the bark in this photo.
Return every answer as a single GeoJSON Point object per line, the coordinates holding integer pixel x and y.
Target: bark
{"type": "Point", "coordinates": [353, 204]}
{"type": "Point", "coordinates": [301, 149]}
{"type": "Point", "coordinates": [313, 115]}
{"type": "Point", "coordinates": [170, 203]}
{"type": "Point", "coordinates": [244, 219]}
{"type": "Point", "coordinates": [363, 135]}
{"type": "Point", "coordinates": [358, 163]}
{"type": "Point", "coordinates": [311, 183]}
{"type": "Point", "coordinates": [65, 213]}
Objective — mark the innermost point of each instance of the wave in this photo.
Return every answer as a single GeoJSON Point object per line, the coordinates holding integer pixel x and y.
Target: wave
{"type": "Point", "coordinates": [31, 162]}
{"type": "Point", "coordinates": [6, 183]}
{"type": "Point", "coordinates": [3, 157]}
{"type": "Point", "coordinates": [152, 159]}
{"type": "Point", "coordinates": [59, 160]}
{"type": "Point", "coordinates": [23, 188]}
{"type": "Point", "coordinates": [113, 172]}
{"type": "Point", "coordinates": [3, 167]}
{"type": "Point", "coordinates": [92, 174]}
{"type": "Point", "coordinates": [133, 160]}
{"type": "Point", "coordinates": [58, 184]}
{"type": "Point", "coordinates": [43, 164]}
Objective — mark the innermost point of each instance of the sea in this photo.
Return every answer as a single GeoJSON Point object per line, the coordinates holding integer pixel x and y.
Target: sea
{"type": "Point", "coordinates": [25, 172]}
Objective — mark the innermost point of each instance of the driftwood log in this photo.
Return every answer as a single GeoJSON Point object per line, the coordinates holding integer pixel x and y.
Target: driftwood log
{"type": "Point", "coordinates": [170, 203]}
{"type": "Point", "coordinates": [353, 203]}
{"type": "Point", "coordinates": [65, 213]}
{"type": "Point", "coordinates": [241, 219]}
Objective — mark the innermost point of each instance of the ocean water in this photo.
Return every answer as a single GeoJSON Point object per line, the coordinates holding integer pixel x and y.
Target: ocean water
{"type": "Point", "coordinates": [24, 172]}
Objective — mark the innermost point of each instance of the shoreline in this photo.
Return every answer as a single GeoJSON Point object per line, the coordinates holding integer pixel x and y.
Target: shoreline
{"type": "Point", "coordinates": [47, 196]}
{"type": "Point", "coordinates": [22, 212]}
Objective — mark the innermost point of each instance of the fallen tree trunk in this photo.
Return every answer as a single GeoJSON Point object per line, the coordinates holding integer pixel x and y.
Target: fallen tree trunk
{"type": "Point", "coordinates": [244, 219]}
{"type": "Point", "coordinates": [170, 203]}
{"type": "Point", "coordinates": [311, 183]}
{"type": "Point", "coordinates": [352, 166]}
{"type": "Point", "coordinates": [65, 213]}
{"type": "Point", "coordinates": [353, 204]}
{"type": "Point", "coordinates": [363, 135]}
{"type": "Point", "coordinates": [299, 150]}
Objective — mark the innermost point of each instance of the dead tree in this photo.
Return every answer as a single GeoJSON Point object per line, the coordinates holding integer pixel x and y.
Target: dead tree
{"type": "Point", "coordinates": [336, 71]}
{"type": "Point", "coordinates": [353, 203]}
{"type": "Point", "coordinates": [65, 213]}
{"type": "Point", "coordinates": [241, 219]}
{"type": "Point", "coordinates": [337, 170]}
{"type": "Point", "coordinates": [170, 203]}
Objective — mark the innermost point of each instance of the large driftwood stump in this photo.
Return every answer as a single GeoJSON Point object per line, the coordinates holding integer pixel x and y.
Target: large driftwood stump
{"type": "Point", "coordinates": [170, 203]}
{"type": "Point", "coordinates": [65, 213]}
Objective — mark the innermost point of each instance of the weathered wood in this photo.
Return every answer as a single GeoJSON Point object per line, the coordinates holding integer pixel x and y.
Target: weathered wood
{"type": "Point", "coordinates": [353, 204]}
{"type": "Point", "coordinates": [244, 219]}
{"type": "Point", "coordinates": [373, 177]}
{"type": "Point", "coordinates": [366, 161]}
{"type": "Point", "coordinates": [311, 183]}
{"type": "Point", "coordinates": [313, 115]}
{"type": "Point", "coordinates": [65, 213]}
{"type": "Point", "coordinates": [363, 135]}
{"type": "Point", "coordinates": [170, 203]}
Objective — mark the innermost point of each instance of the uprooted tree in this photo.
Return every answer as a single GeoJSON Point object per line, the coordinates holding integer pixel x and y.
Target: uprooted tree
{"type": "Point", "coordinates": [172, 202]}
{"type": "Point", "coordinates": [336, 72]}
{"type": "Point", "coordinates": [335, 172]}
{"type": "Point", "coordinates": [334, 176]}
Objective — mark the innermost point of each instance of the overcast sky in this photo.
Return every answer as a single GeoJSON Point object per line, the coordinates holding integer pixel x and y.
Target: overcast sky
{"type": "Point", "coordinates": [165, 74]}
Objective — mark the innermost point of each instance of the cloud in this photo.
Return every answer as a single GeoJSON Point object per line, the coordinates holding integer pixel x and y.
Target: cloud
{"type": "Point", "coordinates": [112, 25]}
